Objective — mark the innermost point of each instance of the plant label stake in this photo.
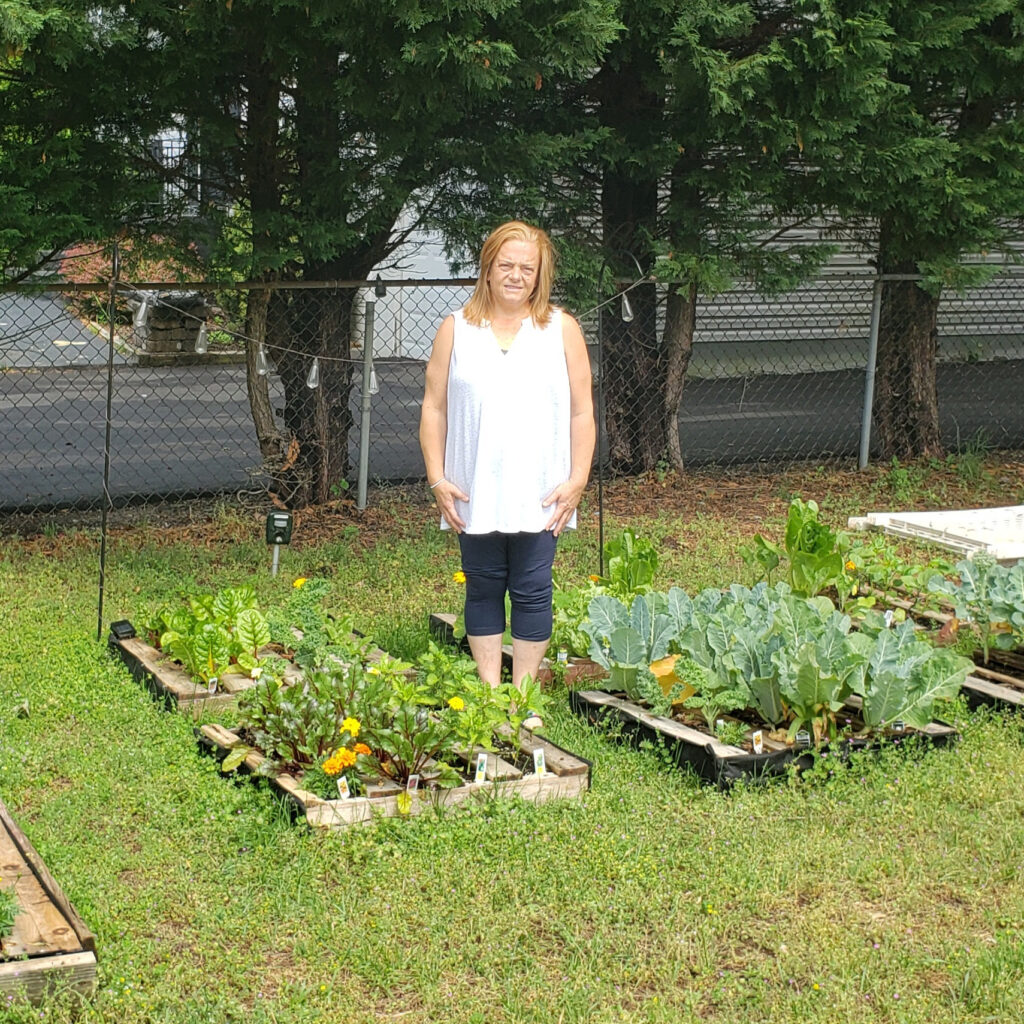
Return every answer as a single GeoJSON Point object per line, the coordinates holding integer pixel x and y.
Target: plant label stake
{"type": "Point", "coordinates": [413, 784]}
{"type": "Point", "coordinates": [279, 531]}
{"type": "Point", "coordinates": [480, 774]}
{"type": "Point", "coordinates": [539, 764]}
{"type": "Point", "coordinates": [899, 726]}
{"type": "Point", "coordinates": [343, 791]}
{"type": "Point", "coordinates": [803, 739]}
{"type": "Point", "coordinates": [757, 739]}
{"type": "Point", "coordinates": [211, 686]}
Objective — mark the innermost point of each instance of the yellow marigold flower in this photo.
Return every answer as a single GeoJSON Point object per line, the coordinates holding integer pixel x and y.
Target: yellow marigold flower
{"type": "Point", "coordinates": [459, 576]}
{"type": "Point", "coordinates": [456, 703]}
{"type": "Point", "coordinates": [300, 582]}
{"type": "Point", "coordinates": [340, 760]}
{"type": "Point", "coordinates": [351, 726]}
{"type": "Point", "coordinates": [362, 748]}
{"type": "Point", "coordinates": [850, 566]}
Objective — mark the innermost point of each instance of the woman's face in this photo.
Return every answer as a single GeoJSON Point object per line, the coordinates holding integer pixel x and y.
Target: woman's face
{"type": "Point", "coordinates": [513, 274]}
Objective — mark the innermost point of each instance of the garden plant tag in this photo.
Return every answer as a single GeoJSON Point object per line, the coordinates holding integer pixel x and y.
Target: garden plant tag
{"type": "Point", "coordinates": [480, 774]}
{"type": "Point", "coordinates": [803, 738]}
{"type": "Point", "coordinates": [343, 791]}
{"type": "Point", "coordinates": [757, 738]}
{"type": "Point", "coordinates": [211, 686]}
{"type": "Point", "coordinates": [539, 765]}
{"type": "Point", "coordinates": [899, 725]}
{"type": "Point", "coordinates": [563, 656]}
{"type": "Point", "coordinates": [413, 784]}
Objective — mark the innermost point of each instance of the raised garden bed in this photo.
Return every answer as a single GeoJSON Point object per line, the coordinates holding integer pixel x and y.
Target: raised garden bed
{"type": "Point", "coordinates": [565, 776]}
{"type": "Point", "coordinates": [723, 764]}
{"type": "Point", "coordinates": [170, 684]}
{"type": "Point", "coordinates": [168, 681]}
{"type": "Point", "coordinates": [577, 670]}
{"type": "Point", "coordinates": [50, 947]}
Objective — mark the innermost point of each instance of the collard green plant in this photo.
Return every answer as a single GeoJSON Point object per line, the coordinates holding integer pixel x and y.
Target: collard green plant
{"type": "Point", "coordinates": [626, 639]}
{"type": "Point", "coordinates": [991, 597]}
{"type": "Point", "coordinates": [904, 675]}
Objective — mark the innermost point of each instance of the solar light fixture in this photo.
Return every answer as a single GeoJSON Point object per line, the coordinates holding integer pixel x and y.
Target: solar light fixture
{"type": "Point", "coordinates": [627, 309]}
{"type": "Point", "coordinates": [279, 531]}
{"type": "Point", "coordinates": [313, 378]}
{"type": "Point", "coordinates": [202, 340]}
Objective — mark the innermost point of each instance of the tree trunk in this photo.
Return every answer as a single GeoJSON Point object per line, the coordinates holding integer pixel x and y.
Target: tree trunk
{"type": "Point", "coordinates": [317, 324]}
{"type": "Point", "coordinates": [680, 323]}
{"type": "Point", "coordinates": [906, 408]}
{"type": "Point", "coordinates": [267, 434]}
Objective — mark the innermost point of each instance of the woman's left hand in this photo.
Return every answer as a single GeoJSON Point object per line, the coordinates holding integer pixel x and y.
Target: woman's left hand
{"type": "Point", "coordinates": [565, 497]}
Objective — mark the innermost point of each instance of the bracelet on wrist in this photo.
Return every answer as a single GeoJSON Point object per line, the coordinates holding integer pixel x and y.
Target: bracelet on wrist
{"type": "Point", "coordinates": [433, 485]}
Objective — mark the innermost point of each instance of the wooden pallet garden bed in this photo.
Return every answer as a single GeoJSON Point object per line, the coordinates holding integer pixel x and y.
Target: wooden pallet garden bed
{"type": "Point", "coordinates": [566, 776]}
{"type": "Point", "coordinates": [577, 670]}
{"type": "Point", "coordinates": [168, 681]}
{"type": "Point", "coordinates": [50, 948]}
{"type": "Point", "coordinates": [719, 763]}
{"type": "Point", "coordinates": [170, 684]}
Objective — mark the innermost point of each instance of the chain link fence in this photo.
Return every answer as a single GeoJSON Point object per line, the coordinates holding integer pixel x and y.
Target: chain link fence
{"type": "Point", "coordinates": [306, 391]}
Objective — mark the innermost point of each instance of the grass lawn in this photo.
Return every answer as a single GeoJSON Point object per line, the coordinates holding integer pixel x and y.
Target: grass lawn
{"type": "Point", "coordinates": [886, 891]}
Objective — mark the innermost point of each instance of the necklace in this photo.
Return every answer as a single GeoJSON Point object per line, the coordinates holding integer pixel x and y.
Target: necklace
{"type": "Point", "coordinates": [504, 336]}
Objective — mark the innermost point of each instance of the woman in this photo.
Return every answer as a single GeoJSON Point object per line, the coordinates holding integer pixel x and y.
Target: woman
{"type": "Point", "coordinates": [507, 432]}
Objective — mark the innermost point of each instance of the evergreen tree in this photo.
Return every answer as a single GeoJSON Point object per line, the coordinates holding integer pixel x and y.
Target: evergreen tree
{"type": "Point", "coordinates": [936, 176]}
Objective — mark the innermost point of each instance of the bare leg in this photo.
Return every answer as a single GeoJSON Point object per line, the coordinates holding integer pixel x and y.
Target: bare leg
{"type": "Point", "coordinates": [526, 658]}
{"type": "Point", "coordinates": [486, 652]}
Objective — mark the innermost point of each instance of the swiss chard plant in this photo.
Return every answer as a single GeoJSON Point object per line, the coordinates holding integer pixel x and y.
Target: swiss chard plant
{"type": "Point", "coordinates": [631, 562]}
{"type": "Point", "coordinates": [215, 634]}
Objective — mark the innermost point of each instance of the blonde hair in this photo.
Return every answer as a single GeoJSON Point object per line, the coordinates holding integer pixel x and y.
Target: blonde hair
{"type": "Point", "coordinates": [478, 308]}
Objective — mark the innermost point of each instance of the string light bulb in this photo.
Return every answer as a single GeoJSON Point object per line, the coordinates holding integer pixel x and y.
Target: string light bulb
{"type": "Point", "coordinates": [142, 312]}
{"type": "Point", "coordinates": [313, 379]}
{"type": "Point", "coordinates": [262, 365]}
{"type": "Point", "coordinates": [202, 340]}
{"type": "Point", "coordinates": [627, 309]}
{"type": "Point", "coordinates": [373, 382]}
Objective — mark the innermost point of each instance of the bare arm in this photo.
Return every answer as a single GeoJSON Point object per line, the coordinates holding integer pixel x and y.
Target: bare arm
{"type": "Point", "coordinates": [434, 425]}
{"type": "Point", "coordinates": [582, 430]}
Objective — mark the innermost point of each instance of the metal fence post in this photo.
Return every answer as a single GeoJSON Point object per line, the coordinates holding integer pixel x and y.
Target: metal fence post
{"type": "Point", "coordinates": [364, 404]}
{"type": "Point", "coordinates": [869, 374]}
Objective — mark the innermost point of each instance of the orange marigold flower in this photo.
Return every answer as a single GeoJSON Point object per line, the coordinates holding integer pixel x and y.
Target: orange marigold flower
{"type": "Point", "coordinates": [595, 579]}
{"type": "Point", "coordinates": [340, 760]}
{"type": "Point", "coordinates": [362, 748]}
{"type": "Point", "coordinates": [850, 566]}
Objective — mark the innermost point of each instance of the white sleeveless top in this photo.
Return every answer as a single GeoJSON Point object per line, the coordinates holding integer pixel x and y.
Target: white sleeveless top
{"type": "Point", "coordinates": [509, 414]}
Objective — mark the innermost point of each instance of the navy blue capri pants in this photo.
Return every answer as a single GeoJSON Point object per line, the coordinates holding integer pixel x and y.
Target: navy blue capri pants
{"type": "Point", "coordinates": [519, 563]}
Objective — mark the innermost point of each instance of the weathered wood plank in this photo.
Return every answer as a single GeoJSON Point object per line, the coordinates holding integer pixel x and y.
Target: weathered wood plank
{"type": "Point", "coordinates": [34, 979]}
{"type": "Point", "coordinates": [668, 726]}
{"type": "Point", "coordinates": [341, 813]}
{"type": "Point", "coordinates": [47, 929]}
{"type": "Point", "coordinates": [17, 848]}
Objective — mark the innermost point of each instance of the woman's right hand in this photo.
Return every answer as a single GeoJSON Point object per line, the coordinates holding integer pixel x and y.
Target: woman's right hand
{"type": "Point", "coordinates": [446, 494]}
